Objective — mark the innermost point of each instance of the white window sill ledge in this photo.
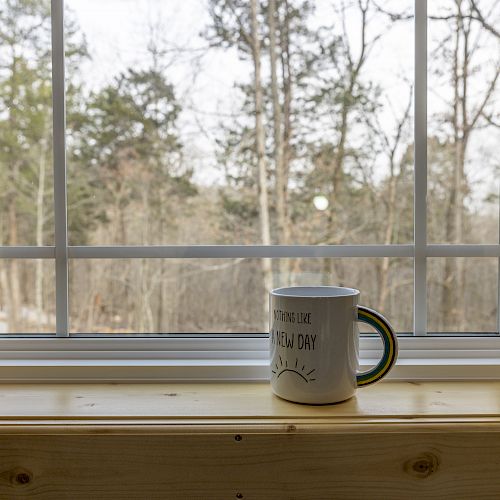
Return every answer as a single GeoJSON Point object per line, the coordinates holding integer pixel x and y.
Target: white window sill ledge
{"type": "Point", "coordinates": [226, 359]}
{"type": "Point", "coordinates": [32, 371]}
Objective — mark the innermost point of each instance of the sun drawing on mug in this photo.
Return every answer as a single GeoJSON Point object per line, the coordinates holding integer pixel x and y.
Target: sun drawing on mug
{"type": "Point", "coordinates": [301, 372]}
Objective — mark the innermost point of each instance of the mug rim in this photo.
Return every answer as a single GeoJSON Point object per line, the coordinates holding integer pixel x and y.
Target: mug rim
{"type": "Point", "coordinates": [322, 291]}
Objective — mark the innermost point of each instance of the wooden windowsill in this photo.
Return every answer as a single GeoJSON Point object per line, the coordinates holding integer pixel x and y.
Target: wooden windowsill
{"type": "Point", "coordinates": [393, 441]}
{"type": "Point", "coordinates": [246, 406]}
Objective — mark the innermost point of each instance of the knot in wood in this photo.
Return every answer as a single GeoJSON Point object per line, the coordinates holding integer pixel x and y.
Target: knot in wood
{"type": "Point", "coordinates": [422, 466]}
{"type": "Point", "coordinates": [21, 477]}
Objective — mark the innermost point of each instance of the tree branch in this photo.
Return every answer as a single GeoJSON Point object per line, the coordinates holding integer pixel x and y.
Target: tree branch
{"type": "Point", "coordinates": [487, 97]}
{"type": "Point", "coordinates": [479, 17]}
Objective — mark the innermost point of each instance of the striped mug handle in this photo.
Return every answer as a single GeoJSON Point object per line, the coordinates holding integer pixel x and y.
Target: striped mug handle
{"type": "Point", "coordinates": [373, 318]}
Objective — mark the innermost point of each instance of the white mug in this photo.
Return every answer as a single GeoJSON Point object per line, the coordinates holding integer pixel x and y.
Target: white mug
{"type": "Point", "coordinates": [314, 343]}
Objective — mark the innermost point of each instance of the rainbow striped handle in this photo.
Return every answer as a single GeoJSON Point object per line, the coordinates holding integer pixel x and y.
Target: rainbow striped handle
{"type": "Point", "coordinates": [373, 318]}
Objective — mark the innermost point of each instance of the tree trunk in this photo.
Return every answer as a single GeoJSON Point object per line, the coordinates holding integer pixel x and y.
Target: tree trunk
{"type": "Point", "coordinates": [161, 286]}
{"type": "Point", "coordinates": [15, 290]}
{"type": "Point", "coordinates": [338, 167]}
{"type": "Point", "coordinates": [261, 159]}
{"type": "Point", "coordinates": [89, 323]}
{"type": "Point", "coordinates": [452, 300]}
{"type": "Point", "coordinates": [5, 295]}
{"type": "Point", "coordinates": [384, 288]}
{"type": "Point", "coordinates": [286, 73]}
{"type": "Point", "coordinates": [287, 96]}
{"type": "Point", "coordinates": [279, 165]}
{"type": "Point", "coordinates": [461, 181]}
{"type": "Point", "coordinates": [40, 219]}
{"type": "Point", "coordinates": [389, 231]}
{"type": "Point", "coordinates": [337, 177]}
{"type": "Point", "coordinates": [6, 301]}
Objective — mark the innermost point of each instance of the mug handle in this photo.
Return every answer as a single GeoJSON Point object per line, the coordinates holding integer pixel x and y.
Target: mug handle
{"type": "Point", "coordinates": [383, 327]}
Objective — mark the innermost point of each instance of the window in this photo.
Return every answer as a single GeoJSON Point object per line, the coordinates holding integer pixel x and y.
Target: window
{"type": "Point", "coordinates": [205, 151]}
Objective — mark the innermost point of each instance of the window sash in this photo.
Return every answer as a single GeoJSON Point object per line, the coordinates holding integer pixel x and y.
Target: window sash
{"type": "Point", "coordinates": [419, 251]}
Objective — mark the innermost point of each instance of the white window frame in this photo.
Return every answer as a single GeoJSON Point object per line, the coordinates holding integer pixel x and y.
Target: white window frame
{"type": "Point", "coordinates": [234, 357]}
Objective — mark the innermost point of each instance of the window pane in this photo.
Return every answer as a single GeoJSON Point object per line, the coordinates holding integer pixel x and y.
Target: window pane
{"type": "Point", "coordinates": [27, 296]}
{"type": "Point", "coordinates": [26, 177]}
{"type": "Point", "coordinates": [464, 131]}
{"type": "Point", "coordinates": [385, 284]}
{"type": "Point", "coordinates": [167, 296]}
{"type": "Point", "coordinates": [220, 295]}
{"type": "Point", "coordinates": [165, 147]}
{"type": "Point", "coordinates": [462, 294]}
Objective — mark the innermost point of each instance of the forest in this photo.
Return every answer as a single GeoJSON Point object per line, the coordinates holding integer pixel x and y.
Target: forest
{"type": "Point", "coordinates": [278, 122]}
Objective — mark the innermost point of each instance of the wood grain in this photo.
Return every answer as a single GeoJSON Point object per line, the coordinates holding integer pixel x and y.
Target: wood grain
{"type": "Point", "coordinates": [279, 466]}
{"type": "Point", "coordinates": [228, 441]}
{"type": "Point", "coordinates": [239, 400]}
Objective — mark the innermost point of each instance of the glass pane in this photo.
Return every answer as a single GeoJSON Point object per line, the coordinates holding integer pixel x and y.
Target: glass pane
{"type": "Point", "coordinates": [464, 131]}
{"type": "Point", "coordinates": [386, 284]}
{"type": "Point", "coordinates": [27, 296]}
{"type": "Point", "coordinates": [462, 294]}
{"type": "Point", "coordinates": [222, 295]}
{"type": "Point", "coordinates": [165, 144]}
{"type": "Point", "coordinates": [26, 176]}
{"type": "Point", "coordinates": [167, 296]}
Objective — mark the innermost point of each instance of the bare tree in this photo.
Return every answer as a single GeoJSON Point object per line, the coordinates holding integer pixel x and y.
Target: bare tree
{"type": "Point", "coordinates": [391, 146]}
{"type": "Point", "coordinates": [466, 113]}
{"type": "Point", "coordinates": [260, 150]}
{"type": "Point", "coordinates": [350, 93]}
{"type": "Point", "coordinates": [281, 164]}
